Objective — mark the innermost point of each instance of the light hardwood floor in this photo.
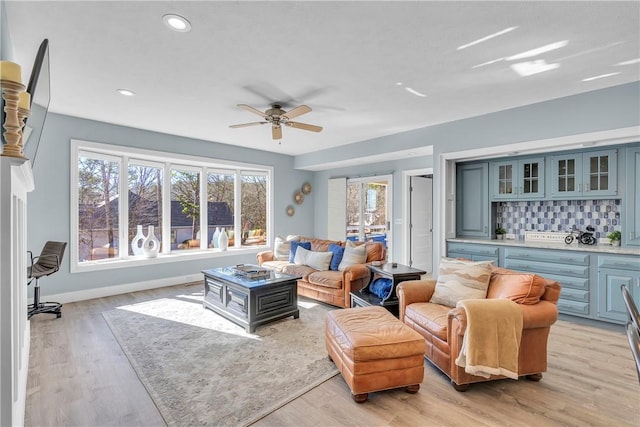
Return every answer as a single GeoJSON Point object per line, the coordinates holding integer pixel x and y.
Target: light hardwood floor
{"type": "Point", "coordinates": [79, 376]}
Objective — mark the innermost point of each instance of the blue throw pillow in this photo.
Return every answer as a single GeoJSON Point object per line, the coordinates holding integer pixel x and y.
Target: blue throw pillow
{"type": "Point", "coordinates": [338, 251]}
{"type": "Point", "coordinates": [380, 287]}
{"type": "Point", "coordinates": [294, 246]}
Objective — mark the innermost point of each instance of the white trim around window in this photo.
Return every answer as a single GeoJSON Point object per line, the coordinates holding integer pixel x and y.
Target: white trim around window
{"type": "Point", "coordinates": [126, 156]}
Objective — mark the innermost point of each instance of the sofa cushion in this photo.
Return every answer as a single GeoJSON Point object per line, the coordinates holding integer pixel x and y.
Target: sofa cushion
{"type": "Point", "coordinates": [326, 279]}
{"type": "Point", "coordinates": [294, 245]}
{"type": "Point", "coordinates": [338, 253]}
{"type": "Point", "coordinates": [352, 256]}
{"type": "Point", "coordinates": [317, 260]}
{"type": "Point", "coordinates": [432, 317]}
{"type": "Point", "coordinates": [319, 245]}
{"type": "Point", "coordinates": [522, 288]}
{"type": "Point", "coordinates": [298, 270]}
{"type": "Point", "coordinates": [458, 280]}
{"type": "Point", "coordinates": [275, 265]}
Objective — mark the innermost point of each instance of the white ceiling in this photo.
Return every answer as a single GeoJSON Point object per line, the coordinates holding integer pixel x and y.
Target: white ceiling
{"type": "Point", "coordinates": [349, 61]}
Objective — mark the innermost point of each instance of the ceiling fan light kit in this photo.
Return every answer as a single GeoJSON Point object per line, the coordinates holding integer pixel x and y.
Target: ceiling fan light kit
{"type": "Point", "coordinates": [278, 117]}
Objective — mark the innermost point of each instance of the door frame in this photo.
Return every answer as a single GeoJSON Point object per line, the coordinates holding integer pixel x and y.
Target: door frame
{"type": "Point", "coordinates": [406, 210]}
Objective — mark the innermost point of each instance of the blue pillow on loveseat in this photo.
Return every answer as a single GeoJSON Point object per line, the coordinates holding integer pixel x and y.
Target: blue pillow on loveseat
{"type": "Point", "coordinates": [338, 252]}
{"type": "Point", "coordinates": [294, 245]}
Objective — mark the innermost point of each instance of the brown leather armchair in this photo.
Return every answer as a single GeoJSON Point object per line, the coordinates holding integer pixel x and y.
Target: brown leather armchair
{"type": "Point", "coordinates": [443, 327]}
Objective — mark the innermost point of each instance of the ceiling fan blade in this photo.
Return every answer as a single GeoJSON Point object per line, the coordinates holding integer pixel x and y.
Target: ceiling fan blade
{"type": "Point", "coordinates": [298, 111]}
{"type": "Point", "coordinates": [276, 132]}
{"type": "Point", "coordinates": [251, 109]}
{"type": "Point", "coordinates": [304, 126]}
{"type": "Point", "coordinates": [244, 125]}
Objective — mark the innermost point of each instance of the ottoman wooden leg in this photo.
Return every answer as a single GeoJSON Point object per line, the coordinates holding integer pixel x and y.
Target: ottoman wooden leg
{"type": "Point", "coordinates": [360, 398]}
{"type": "Point", "coordinates": [413, 388]}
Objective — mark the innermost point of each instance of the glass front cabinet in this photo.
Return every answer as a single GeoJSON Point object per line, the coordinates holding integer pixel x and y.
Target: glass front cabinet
{"type": "Point", "coordinates": [518, 179]}
{"type": "Point", "coordinates": [590, 174]}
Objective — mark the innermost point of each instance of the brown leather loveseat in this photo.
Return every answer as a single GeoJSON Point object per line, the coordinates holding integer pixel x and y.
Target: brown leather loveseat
{"type": "Point", "coordinates": [443, 327]}
{"type": "Point", "coordinates": [332, 287]}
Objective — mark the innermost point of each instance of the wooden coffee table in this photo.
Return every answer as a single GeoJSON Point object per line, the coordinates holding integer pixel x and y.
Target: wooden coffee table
{"type": "Point", "coordinates": [250, 302]}
{"type": "Point", "coordinates": [400, 273]}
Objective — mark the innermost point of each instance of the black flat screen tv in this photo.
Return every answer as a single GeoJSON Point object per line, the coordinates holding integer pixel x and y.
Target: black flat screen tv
{"type": "Point", "coordinates": [39, 88]}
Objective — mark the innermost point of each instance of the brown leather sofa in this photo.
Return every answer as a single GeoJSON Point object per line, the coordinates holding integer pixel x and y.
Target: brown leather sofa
{"type": "Point", "coordinates": [332, 287]}
{"type": "Point", "coordinates": [443, 327]}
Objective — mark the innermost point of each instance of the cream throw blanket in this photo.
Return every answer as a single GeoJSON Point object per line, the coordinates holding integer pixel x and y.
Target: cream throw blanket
{"type": "Point", "coordinates": [491, 342]}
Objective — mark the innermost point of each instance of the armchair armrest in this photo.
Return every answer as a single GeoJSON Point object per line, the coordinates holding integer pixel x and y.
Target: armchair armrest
{"type": "Point", "coordinates": [540, 315]}
{"type": "Point", "coordinates": [264, 256]}
{"type": "Point", "coordinates": [357, 271]}
{"type": "Point", "coordinates": [411, 291]}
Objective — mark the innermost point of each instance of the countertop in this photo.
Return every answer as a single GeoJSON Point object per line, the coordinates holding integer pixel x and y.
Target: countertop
{"type": "Point", "coordinates": [608, 249]}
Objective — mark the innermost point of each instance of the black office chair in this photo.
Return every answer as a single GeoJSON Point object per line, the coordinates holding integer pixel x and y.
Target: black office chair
{"type": "Point", "coordinates": [47, 263]}
{"type": "Point", "coordinates": [633, 326]}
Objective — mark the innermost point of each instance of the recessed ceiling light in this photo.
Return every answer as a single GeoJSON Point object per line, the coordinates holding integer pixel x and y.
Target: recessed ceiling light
{"type": "Point", "coordinates": [415, 92]}
{"type": "Point", "coordinates": [629, 62]}
{"type": "Point", "coordinates": [484, 39]}
{"type": "Point", "coordinates": [125, 92]}
{"type": "Point", "coordinates": [176, 23]}
{"type": "Point", "coordinates": [601, 76]}
{"type": "Point", "coordinates": [530, 68]}
{"type": "Point", "coordinates": [538, 51]}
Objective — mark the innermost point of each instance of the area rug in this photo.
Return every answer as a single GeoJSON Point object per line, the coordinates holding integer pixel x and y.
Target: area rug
{"type": "Point", "coordinates": [202, 370]}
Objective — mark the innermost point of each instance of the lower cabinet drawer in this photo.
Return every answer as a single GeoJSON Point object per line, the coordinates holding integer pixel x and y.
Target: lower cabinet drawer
{"type": "Point", "coordinates": [238, 302]}
{"type": "Point", "coordinates": [573, 307]}
{"type": "Point", "coordinates": [574, 295]}
{"type": "Point", "coordinates": [466, 249]}
{"type": "Point", "coordinates": [548, 268]}
{"type": "Point", "coordinates": [214, 292]}
{"type": "Point", "coordinates": [473, 257]}
{"type": "Point", "coordinates": [274, 301]}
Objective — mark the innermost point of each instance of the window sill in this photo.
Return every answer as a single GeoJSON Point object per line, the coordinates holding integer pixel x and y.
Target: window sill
{"type": "Point", "coordinates": [141, 261]}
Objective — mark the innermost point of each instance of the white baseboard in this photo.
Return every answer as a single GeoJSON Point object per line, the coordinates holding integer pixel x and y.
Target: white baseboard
{"type": "Point", "coordinates": [108, 291]}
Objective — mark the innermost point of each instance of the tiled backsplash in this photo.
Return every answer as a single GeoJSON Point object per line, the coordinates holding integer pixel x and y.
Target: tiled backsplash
{"type": "Point", "coordinates": [559, 215]}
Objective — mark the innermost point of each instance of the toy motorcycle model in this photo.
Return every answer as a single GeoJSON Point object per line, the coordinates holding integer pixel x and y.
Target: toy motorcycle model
{"type": "Point", "coordinates": [583, 237]}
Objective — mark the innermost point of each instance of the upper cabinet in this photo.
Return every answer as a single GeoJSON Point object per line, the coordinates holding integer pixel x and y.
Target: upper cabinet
{"type": "Point", "coordinates": [631, 224]}
{"type": "Point", "coordinates": [517, 179]}
{"type": "Point", "coordinates": [589, 174]}
{"type": "Point", "coordinates": [472, 200]}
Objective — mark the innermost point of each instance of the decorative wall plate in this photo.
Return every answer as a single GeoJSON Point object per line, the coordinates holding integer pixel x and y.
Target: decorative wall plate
{"type": "Point", "coordinates": [306, 188]}
{"type": "Point", "coordinates": [299, 197]}
{"type": "Point", "coordinates": [290, 210]}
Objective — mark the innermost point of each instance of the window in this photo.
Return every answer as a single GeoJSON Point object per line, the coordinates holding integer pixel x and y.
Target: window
{"type": "Point", "coordinates": [98, 207]}
{"type": "Point", "coordinates": [145, 199]}
{"type": "Point", "coordinates": [185, 198]}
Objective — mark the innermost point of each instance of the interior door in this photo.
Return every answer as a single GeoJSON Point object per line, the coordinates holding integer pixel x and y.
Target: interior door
{"type": "Point", "coordinates": [421, 223]}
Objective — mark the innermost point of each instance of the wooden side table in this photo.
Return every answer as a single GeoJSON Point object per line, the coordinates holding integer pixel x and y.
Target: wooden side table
{"type": "Point", "coordinates": [400, 273]}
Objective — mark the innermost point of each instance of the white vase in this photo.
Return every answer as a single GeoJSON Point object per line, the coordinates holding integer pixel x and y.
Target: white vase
{"type": "Point", "coordinates": [136, 243]}
{"type": "Point", "coordinates": [151, 244]}
{"type": "Point", "coordinates": [214, 239]}
{"type": "Point", "coordinates": [223, 240]}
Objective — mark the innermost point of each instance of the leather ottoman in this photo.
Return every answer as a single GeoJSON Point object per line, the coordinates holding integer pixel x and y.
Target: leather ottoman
{"type": "Point", "coordinates": [374, 351]}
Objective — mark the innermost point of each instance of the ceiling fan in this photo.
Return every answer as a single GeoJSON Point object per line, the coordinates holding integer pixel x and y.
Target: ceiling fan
{"type": "Point", "coordinates": [278, 117]}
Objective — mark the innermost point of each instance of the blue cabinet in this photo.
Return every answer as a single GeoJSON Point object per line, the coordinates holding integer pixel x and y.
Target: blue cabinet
{"type": "Point", "coordinates": [472, 200]}
{"type": "Point", "coordinates": [631, 224]}
{"type": "Point", "coordinates": [518, 179]}
{"type": "Point", "coordinates": [570, 269]}
{"type": "Point", "coordinates": [613, 272]}
{"type": "Point", "coordinates": [474, 252]}
{"type": "Point", "coordinates": [589, 174]}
